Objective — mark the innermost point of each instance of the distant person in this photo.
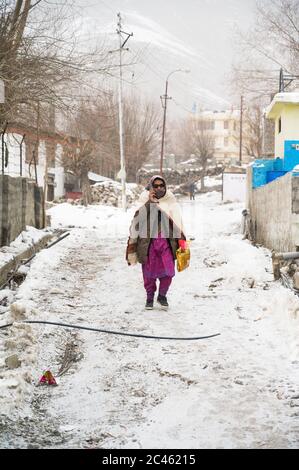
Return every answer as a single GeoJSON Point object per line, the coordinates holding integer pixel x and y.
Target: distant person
{"type": "Point", "coordinates": [246, 225]}
{"type": "Point", "coordinates": [155, 234]}
{"type": "Point", "coordinates": [192, 191]}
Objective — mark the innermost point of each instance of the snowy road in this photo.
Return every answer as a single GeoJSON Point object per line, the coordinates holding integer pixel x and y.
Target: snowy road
{"type": "Point", "coordinates": [239, 390]}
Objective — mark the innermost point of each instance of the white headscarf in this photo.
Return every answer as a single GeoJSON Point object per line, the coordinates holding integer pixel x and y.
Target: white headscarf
{"type": "Point", "coordinates": [168, 203]}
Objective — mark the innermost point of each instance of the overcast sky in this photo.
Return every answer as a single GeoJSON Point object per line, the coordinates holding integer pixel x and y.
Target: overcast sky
{"type": "Point", "coordinates": [175, 34]}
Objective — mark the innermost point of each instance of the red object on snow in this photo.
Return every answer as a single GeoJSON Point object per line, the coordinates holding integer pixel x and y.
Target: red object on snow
{"type": "Point", "coordinates": [48, 378]}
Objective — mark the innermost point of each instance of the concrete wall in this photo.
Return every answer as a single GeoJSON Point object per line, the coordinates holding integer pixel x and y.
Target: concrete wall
{"type": "Point", "coordinates": [21, 204]}
{"type": "Point", "coordinates": [274, 210]}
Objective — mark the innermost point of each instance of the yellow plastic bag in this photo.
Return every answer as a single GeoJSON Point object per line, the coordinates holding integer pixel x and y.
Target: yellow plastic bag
{"type": "Point", "coordinates": [183, 259]}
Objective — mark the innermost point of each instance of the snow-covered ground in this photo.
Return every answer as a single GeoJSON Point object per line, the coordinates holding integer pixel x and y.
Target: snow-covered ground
{"type": "Point", "coordinates": [238, 390]}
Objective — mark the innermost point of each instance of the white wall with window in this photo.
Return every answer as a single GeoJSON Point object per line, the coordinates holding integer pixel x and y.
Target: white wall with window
{"type": "Point", "coordinates": [19, 161]}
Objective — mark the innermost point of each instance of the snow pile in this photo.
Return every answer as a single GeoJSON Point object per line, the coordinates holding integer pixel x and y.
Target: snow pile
{"type": "Point", "coordinates": [108, 221]}
{"type": "Point", "coordinates": [97, 178]}
{"type": "Point", "coordinates": [226, 218]}
{"type": "Point", "coordinates": [240, 261]}
{"type": "Point", "coordinates": [24, 241]}
{"type": "Point", "coordinates": [20, 343]}
{"type": "Point", "coordinates": [17, 356]}
{"type": "Point", "coordinates": [283, 305]}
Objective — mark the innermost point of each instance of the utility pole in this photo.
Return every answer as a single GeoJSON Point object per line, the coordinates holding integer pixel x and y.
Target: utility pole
{"type": "Point", "coordinates": [3, 147]}
{"type": "Point", "coordinates": [21, 155]}
{"type": "Point", "coordinates": [2, 100]}
{"type": "Point", "coordinates": [122, 173]}
{"type": "Point", "coordinates": [241, 130]}
{"type": "Point", "coordinates": [164, 100]}
{"type": "Point", "coordinates": [285, 79]}
{"type": "Point", "coordinates": [281, 81]}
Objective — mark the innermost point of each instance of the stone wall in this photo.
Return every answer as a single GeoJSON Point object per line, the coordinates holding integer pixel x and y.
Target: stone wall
{"type": "Point", "coordinates": [176, 177]}
{"type": "Point", "coordinates": [274, 210]}
{"type": "Point", "coordinates": [21, 204]}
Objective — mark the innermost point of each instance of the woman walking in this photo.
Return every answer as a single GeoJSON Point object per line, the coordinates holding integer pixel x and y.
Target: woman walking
{"type": "Point", "coordinates": [155, 233]}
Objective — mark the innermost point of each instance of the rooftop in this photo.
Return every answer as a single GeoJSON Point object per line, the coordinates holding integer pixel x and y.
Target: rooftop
{"type": "Point", "coordinates": [215, 115]}
{"type": "Point", "coordinates": [278, 102]}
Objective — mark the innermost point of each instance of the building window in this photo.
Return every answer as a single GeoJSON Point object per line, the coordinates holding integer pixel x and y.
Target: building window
{"type": "Point", "coordinates": [225, 141]}
{"type": "Point", "coordinates": [226, 124]}
{"type": "Point", "coordinates": [208, 125]}
{"type": "Point", "coordinates": [279, 125]}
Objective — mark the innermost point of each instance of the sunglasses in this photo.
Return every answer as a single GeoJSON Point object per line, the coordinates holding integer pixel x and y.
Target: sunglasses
{"type": "Point", "coordinates": [156, 186]}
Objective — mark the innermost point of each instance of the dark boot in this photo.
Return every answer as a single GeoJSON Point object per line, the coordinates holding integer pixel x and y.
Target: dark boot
{"type": "Point", "coordinates": [162, 300]}
{"type": "Point", "coordinates": [149, 304]}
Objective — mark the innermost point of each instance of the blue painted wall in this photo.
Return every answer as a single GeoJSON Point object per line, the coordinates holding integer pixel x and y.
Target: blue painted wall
{"type": "Point", "coordinates": [265, 171]}
{"type": "Point", "coordinates": [291, 154]}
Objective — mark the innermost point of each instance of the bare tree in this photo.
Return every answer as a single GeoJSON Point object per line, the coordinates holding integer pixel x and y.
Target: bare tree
{"type": "Point", "coordinates": [141, 120]}
{"type": "Point", "coordinates": [278, 27]}
{"type": "Point", "coordinates": [253, 130]}
{"type": "Point", "coordinates": [78, 159]}
{"type": "Point", "coordinates": [81, 146]}
{"type": "Point", "coordinates": [40, 57]}
{"type": "Point", "coordinates": [107, 118]}
{"type": "Point", "coordinates": [198, 139]}
{"type": "Point", "coordinates": [141, 136]}
{"type": "Point", "coordinates": [272, 44]}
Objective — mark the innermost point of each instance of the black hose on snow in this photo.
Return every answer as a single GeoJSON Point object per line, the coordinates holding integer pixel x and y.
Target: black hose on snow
{"type": "Point", "coordinates": [135, 335]}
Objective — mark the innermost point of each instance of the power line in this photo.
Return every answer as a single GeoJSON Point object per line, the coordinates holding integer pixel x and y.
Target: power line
{"type": "Point", "coordinates": [178, 85]}
{"type": "Point", "coordinates": [182, 107]}
{"type": "Point", "coordinates": [107, 6]}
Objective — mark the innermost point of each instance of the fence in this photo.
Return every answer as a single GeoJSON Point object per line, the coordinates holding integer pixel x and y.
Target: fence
{"type": "Point", "coordinates": [12, 154]}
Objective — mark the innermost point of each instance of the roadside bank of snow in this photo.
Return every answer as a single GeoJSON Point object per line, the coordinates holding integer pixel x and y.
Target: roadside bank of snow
{"type": "Point", "coordinates": [25, 240]}
{"type": "Point", "coordinates": [17, 382]}
{"type": "Point", "coordinates": [108, 221]}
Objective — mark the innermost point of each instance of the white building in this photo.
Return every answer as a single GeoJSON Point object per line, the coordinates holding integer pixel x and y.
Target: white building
{"type": "Point", "coordinates": [225, 129]}
{"type": "Point", "coordinates": [20, 159]}
{"type": "Point", "coordinates": [284, 111]}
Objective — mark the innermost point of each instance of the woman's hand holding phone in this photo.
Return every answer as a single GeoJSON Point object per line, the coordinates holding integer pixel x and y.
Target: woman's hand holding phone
{"type": "Point", "coordinates": [152, 196]}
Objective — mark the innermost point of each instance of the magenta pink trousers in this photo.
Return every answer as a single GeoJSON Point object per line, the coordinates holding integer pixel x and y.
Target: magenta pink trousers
{"type": "Point", "coordinates": [159, 265]}
{"type": "Point", "coordinates": [151, 286]}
